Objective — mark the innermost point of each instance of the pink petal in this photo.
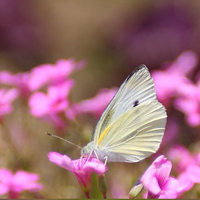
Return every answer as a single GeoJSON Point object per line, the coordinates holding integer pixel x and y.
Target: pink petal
{"type": "Point", "coordinates": [193, 172]}
{"type": "Point", "coordinates": [185, 183]}
{"type": "Point", "coordinates": [156, 175]}
{"type": "Point", "coordinates": [24, 181]}
{"type": "Point", "coordinates": [8, 78]}
{"type": "Point", "coordinates": [96, 166]}
{"type": "Point", "coordinates": [170, 191]}
{"type": "Point", "coordinates": [153, 187]}
{"type": "Point", "coordinates": [39, 104]}
{"type": "Point", "coordinates": [40, 75]}
{"type": "Point", "coordinates": [5, 176]}
{"type": "Point", "coordinates": [61, 160]}
{"type": "Point", "coordinates": [33, 187]}
{"type": "Point", "coordinates": [3, 189]}
{"type": "Point", "coordinates": [10, 95]}
{"type": "Point", "coordinates": [185, 63]}
{"type": "Point", "coordinates": [97, 104]}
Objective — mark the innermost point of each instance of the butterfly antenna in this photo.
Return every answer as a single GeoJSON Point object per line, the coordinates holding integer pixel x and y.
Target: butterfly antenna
{"type": "Point", "coordinates": [49, 134]}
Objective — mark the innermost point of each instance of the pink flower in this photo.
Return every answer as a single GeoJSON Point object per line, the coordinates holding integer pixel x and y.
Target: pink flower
{"type": "Point", "coordinates": [14, 184]}
{"type": "Point", "coordinates": [185, 183]}
{"type": "Point", "coordinates": [82, 168]}
{"type": "Point", "coordinates": [95, 105]}
{"type": "Point", "coordinates": [169, 82]}
{"type": "Point", "coordinates": [157, 181]}
{"type": "Point", "coordinates": [52, 106]}
{"type": "Point", "coordinates": [188, 103]}
{"type": "Point", "coordinates": [53, 74]}
{"type": "Point", "coordinates": [193, 172]}
{"type": "Point", "coordinates": [55, 101]}
{"type": "Point", "coordinates": [19, 80]}
{"type": "Point", "coordinates": [6, 99]}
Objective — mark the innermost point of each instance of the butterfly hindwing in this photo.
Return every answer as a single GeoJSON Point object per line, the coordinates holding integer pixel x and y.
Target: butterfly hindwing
{"type": "Point", "coordinates": [136, 134]}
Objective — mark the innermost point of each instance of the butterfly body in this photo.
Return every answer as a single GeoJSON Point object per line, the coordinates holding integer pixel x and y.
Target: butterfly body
{"type": "Point", "coordinates": [132, 126]}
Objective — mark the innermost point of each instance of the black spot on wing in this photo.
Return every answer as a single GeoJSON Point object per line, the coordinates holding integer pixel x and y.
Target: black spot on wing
{"type": "Point", "coordinates": [135, 71]}
{"type": "Point", "coordinates": [136, 103]}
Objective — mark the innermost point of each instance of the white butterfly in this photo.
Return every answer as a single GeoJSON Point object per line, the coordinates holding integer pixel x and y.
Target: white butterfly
{"type": "Point", "coordinates": [132, 126]}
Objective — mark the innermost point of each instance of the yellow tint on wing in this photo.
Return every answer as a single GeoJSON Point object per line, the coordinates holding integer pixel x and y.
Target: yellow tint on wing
{"type": "Point", "coordinates": [103, 134]}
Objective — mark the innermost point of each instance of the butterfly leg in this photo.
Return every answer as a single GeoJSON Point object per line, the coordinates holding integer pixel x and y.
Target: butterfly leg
{"type": "Point", "coordinates": [89, 156]}
{"type": "Point", "coordinates": [96, 154]}
{"type": "Point", "coordinates": [80, 160]}
{"type": "Point", "coordinates": [106, 159]}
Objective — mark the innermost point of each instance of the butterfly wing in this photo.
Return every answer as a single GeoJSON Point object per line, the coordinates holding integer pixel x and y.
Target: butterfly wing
{"type": "Point", "coordinates": [136, 134]}
{"type": "Point", "coordinates": [136, 89]}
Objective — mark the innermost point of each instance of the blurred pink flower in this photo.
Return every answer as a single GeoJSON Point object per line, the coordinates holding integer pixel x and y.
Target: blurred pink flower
{"type": "Point", "coordinates": [95, 105]}
{"type": "Point", "coordinates": [157, 181]}
{"type": "Point", "coordinates": [193, 172]}
{"type": "Point", "coordinates": [14, 184]}
{"type": "Point", "coordinates": [52, 106]}
{"type": "Point", "coordinates": [188, 102]}
{"type": "Point", "coordinates": [185, 183]}
{"type": "Point", "coordinates": [169, 82]}
{"type": "Point", "coordinates": [53, 74]}
{"type": "Point", "coordinates": [19, 80]}
{"type": "Point", "coordinates": [181, 157]}
{"type": "Point", "coordinates": [55, 101]}
{"type": "Point", "coordinates": [82, 168]}
{"type": "Point", "coordinates": [6, 99]}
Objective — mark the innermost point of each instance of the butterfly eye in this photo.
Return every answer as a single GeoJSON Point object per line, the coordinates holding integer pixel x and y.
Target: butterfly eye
{"type": "Point", "coordinates": [136, 103]}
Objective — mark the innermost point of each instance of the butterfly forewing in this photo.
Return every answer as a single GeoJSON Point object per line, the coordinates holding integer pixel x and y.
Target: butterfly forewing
{"type": "Point", "coordinates": [136, 89]}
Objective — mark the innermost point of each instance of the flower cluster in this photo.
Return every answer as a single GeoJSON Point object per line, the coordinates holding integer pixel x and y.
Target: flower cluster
{"type": "Point", "coordinates": [46, 88]}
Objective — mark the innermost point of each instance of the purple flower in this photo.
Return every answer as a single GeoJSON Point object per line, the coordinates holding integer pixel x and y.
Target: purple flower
{"type": "Point", "coordinates": [157, 181]}
{"type": "Point", "coordinates": [14, 184]}
{"type": "Point", "coordinates": [82, 168]}
{"type": "Point", "coordinates": [6, 99]}
{"type": "Point", "coordinates": [95, 105]}
{"type": "Point", "coordinates": [53, 74]}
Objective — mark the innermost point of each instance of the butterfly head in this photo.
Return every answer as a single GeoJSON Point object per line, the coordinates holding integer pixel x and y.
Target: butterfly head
{"type": "Point", "coordinates": [85, 151]}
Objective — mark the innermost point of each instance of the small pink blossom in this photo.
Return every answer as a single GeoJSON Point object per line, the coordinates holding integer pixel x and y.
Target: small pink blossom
{"type": "Point", "coordinates": [95, 105]}
{"type": "Point", "coordinates": [157, 181]}
{"type": "Point", "coordinates": [170, 81]}
{"type": "Point", "coordinates": [55, 101]}
{"type": "Point", "coordinates": [82, 168]}
{"type": "Point", "coordinates": [14, 184]}
{"type": "Point", "coordinates": [53, 74]}
{"type": "Point", "coordinates": [6, 99]}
